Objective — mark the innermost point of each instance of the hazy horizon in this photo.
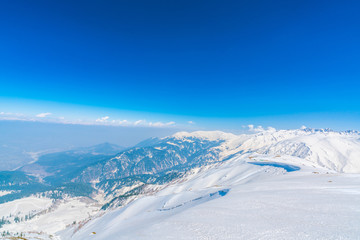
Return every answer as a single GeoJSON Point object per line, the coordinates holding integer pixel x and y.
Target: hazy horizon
{"type": "Point", "coordinates": [18, 139]}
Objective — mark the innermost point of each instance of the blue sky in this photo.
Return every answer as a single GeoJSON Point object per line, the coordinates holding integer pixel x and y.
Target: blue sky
{"type": "Point", "coordinates": [218, 64]}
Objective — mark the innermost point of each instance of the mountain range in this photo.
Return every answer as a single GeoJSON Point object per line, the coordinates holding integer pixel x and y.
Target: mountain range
{"type": "Point", "coordinates": [174, 174]}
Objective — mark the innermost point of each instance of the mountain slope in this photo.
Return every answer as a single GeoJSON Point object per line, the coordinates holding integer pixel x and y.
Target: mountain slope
{"type": "Point", "coordinates": [166, 154]}
{"type": "Point", "coordinates": [159, 181]}
{"type": "Point", "coordinates": [238, 200]}
{"type": "Point", "coordinates": [339, 151]}
{"type": "Point", "coordinates": [209, 201]}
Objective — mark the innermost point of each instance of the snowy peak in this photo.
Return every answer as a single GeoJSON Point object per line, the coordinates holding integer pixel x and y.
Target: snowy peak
{"type": "Point", "coordinates": [155, 156]}
{"type": "Point", "coordinates": [339, 151]}
{"type": "Point", "coordinates": [179, 172]}
{"type": "Point", "coordinates": [208, 135]}
{"type": "Point", "coordinates": [328, 130]}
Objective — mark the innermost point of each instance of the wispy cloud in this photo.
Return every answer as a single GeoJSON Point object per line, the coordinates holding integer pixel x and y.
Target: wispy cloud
{"type": "Point", "coordinates": [43, 115]}
{"type": "Point", "coordinates": [142, 123]}
{"type": "Point", "coordinates": [120, 122]}
{"type": "Point", "coordinates": [139, 122]}
{"type": "Point", "coordinates": [102, 119]}
{"type": "Point", "coordinates": [135, 123]}
{"type": "Point", "coordinates": [12, 116]}
{"type": "Point", "coordinates": [106, 120]}
{"type": "Point", "coordinates": [161, 124]}
{"type": "Point", "coordinates": [252, 128]}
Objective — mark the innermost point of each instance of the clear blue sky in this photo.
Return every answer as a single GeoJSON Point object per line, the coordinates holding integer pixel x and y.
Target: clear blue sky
{"type": "Point", "coordinates": [218, 60]}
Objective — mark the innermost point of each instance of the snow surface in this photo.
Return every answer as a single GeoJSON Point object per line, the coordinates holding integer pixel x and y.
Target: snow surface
{"type": "Point", "coordinates": [261, 202]}
{"type": "Point", "coordinates": [209, 135]}
{"type": "Point", "coordinates": [24, 206]}
{"type": "Point", "coordinates": [231, 199]}
{"type": "Point", "coordinates": [339, 151]}
{"type": "Point", "coordinates": [3, 193]}
{"type": "Point", "coordinates": [55, 216]}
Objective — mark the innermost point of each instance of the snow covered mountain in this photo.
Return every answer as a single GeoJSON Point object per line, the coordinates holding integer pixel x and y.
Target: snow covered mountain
{"type": "Point", "coordinates": [164, 154]}
{"type": "Point", "coordinates": [339, 151]}
{"type": "Point", "coordinates": [164, 179]}
{"type": "Point", "coordinates": [237, 200]}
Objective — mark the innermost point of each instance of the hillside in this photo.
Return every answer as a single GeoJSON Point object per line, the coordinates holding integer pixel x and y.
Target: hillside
{"type": "Point", "coordinates": [189, 181]}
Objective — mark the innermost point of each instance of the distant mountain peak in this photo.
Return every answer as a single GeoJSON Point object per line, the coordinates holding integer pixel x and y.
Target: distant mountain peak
{"type": "Point", "coordinates": [209, 135]}
{"type": "Point", "coordinates": [327, 130]}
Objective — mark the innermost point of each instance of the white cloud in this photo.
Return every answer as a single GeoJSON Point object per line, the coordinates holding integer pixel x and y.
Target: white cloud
{"type": "Point", "coordinates": [102, 119]}
{"type": "Point", "coordinates": [121, 122]}
{"type": "Point", "coordinates": [139, 122]}
{"type": "Point", "coordinates": [14, 116]}
{"type": "Point", "coordinates": [191, 122]}
{"type": "Point", "coordinates": [160, 124]}
{"type": "Point", "coordinates": [259, 129]}
{"type": "Point", "coordinates": [42, 115]}
{"type": "Point", "coordinates": [252, 128]}
{"type": "Point", "coordinates": [271, 129]}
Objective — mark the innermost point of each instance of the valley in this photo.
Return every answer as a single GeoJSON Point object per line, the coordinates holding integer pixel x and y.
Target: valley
{"type": "Point", "coordinates": [272, 184]}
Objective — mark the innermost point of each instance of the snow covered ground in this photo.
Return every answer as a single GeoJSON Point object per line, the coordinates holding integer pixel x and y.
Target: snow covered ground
{"type": "Point", "coordinates": [238, 200]}
{"type": "Point", "coordinates": [24, 206]}
{"type": "Point", "coordinates": [3, 193]}
{"type": "Point", "coordinates": [246, 195]}
{"type": "Point", "coordinates": [56, 217]}
{"type": "Point", "coordinates": [47, 216]}
{"type": "Point", "coordinates": [339, 151]}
